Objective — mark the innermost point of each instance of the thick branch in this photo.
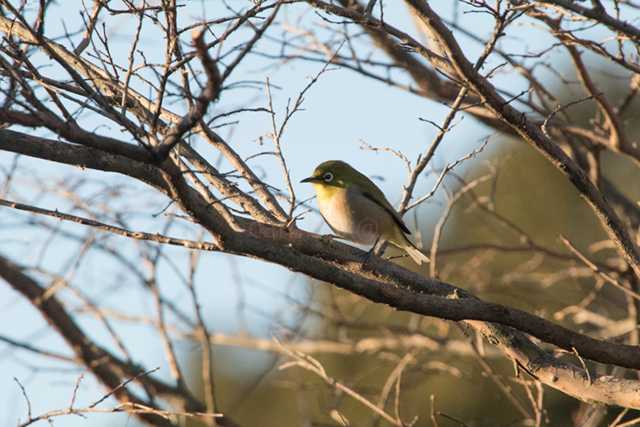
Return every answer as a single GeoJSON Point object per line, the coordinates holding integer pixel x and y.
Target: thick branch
{"type": "Point", "coordinates": [73, 133]}
{"type": "Point", "coordinates": [341, 265]}
{"type": "Point", "coordinates": [81, 156]}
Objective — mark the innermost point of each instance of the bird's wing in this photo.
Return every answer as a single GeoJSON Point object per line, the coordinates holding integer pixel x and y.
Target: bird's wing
{"type": "Point", "coordinates": [387, 207]}
{"type": "Point", "coordinates": [376, 195]}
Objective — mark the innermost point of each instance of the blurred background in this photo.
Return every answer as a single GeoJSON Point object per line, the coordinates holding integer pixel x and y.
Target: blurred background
{"type": "Point", "coordinates": [249, 306]}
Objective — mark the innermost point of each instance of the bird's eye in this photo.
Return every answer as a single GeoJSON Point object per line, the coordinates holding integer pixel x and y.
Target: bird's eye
{"type": "Point", "coordinates": [327, 177]}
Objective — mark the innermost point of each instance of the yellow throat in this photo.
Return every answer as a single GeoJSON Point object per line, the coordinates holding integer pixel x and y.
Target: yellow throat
{"type": "Point", "coordinates": [324, 192]}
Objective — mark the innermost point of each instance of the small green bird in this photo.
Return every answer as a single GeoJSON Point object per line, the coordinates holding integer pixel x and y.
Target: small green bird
{"type": "Point", "coordinates": [357, 210]}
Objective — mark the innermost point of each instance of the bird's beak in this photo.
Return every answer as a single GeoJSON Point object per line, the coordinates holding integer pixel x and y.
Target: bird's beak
{"type": "Point", "coordinates": [311, 179]}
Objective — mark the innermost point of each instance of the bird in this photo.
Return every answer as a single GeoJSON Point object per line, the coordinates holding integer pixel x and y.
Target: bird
{"type": "Point", "coordinates": [357, 210]}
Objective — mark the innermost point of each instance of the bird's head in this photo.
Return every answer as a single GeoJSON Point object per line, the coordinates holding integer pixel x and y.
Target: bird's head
{"type": "Point", "coordinates": [330, 176]}
{"type": "Point", "coordinates": [333, 173]}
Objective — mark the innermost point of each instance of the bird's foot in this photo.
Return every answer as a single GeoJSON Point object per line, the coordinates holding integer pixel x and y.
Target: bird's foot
{"type": "Point", "coordinates": [369, 260]}
{"type": "Point", "coordinates": [376, 250]}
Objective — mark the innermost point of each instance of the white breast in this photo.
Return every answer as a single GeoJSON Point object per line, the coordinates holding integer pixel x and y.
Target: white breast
{"type": "Point", "coordinates": [352, 216]}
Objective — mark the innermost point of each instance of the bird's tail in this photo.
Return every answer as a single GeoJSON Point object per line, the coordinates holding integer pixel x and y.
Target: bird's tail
{"type": "Point", "coordinates": [402, 242]}
{"type": "Point", "coordinates": [415, 253]}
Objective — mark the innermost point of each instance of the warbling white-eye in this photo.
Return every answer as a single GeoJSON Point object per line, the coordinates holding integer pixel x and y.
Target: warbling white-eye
{"type": "Point", "coordinates": [357, 210]}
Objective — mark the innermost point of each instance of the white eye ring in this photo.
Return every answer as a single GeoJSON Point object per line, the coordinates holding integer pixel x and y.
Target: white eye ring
{"type": "Point", "coordinates": [327, 177]}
